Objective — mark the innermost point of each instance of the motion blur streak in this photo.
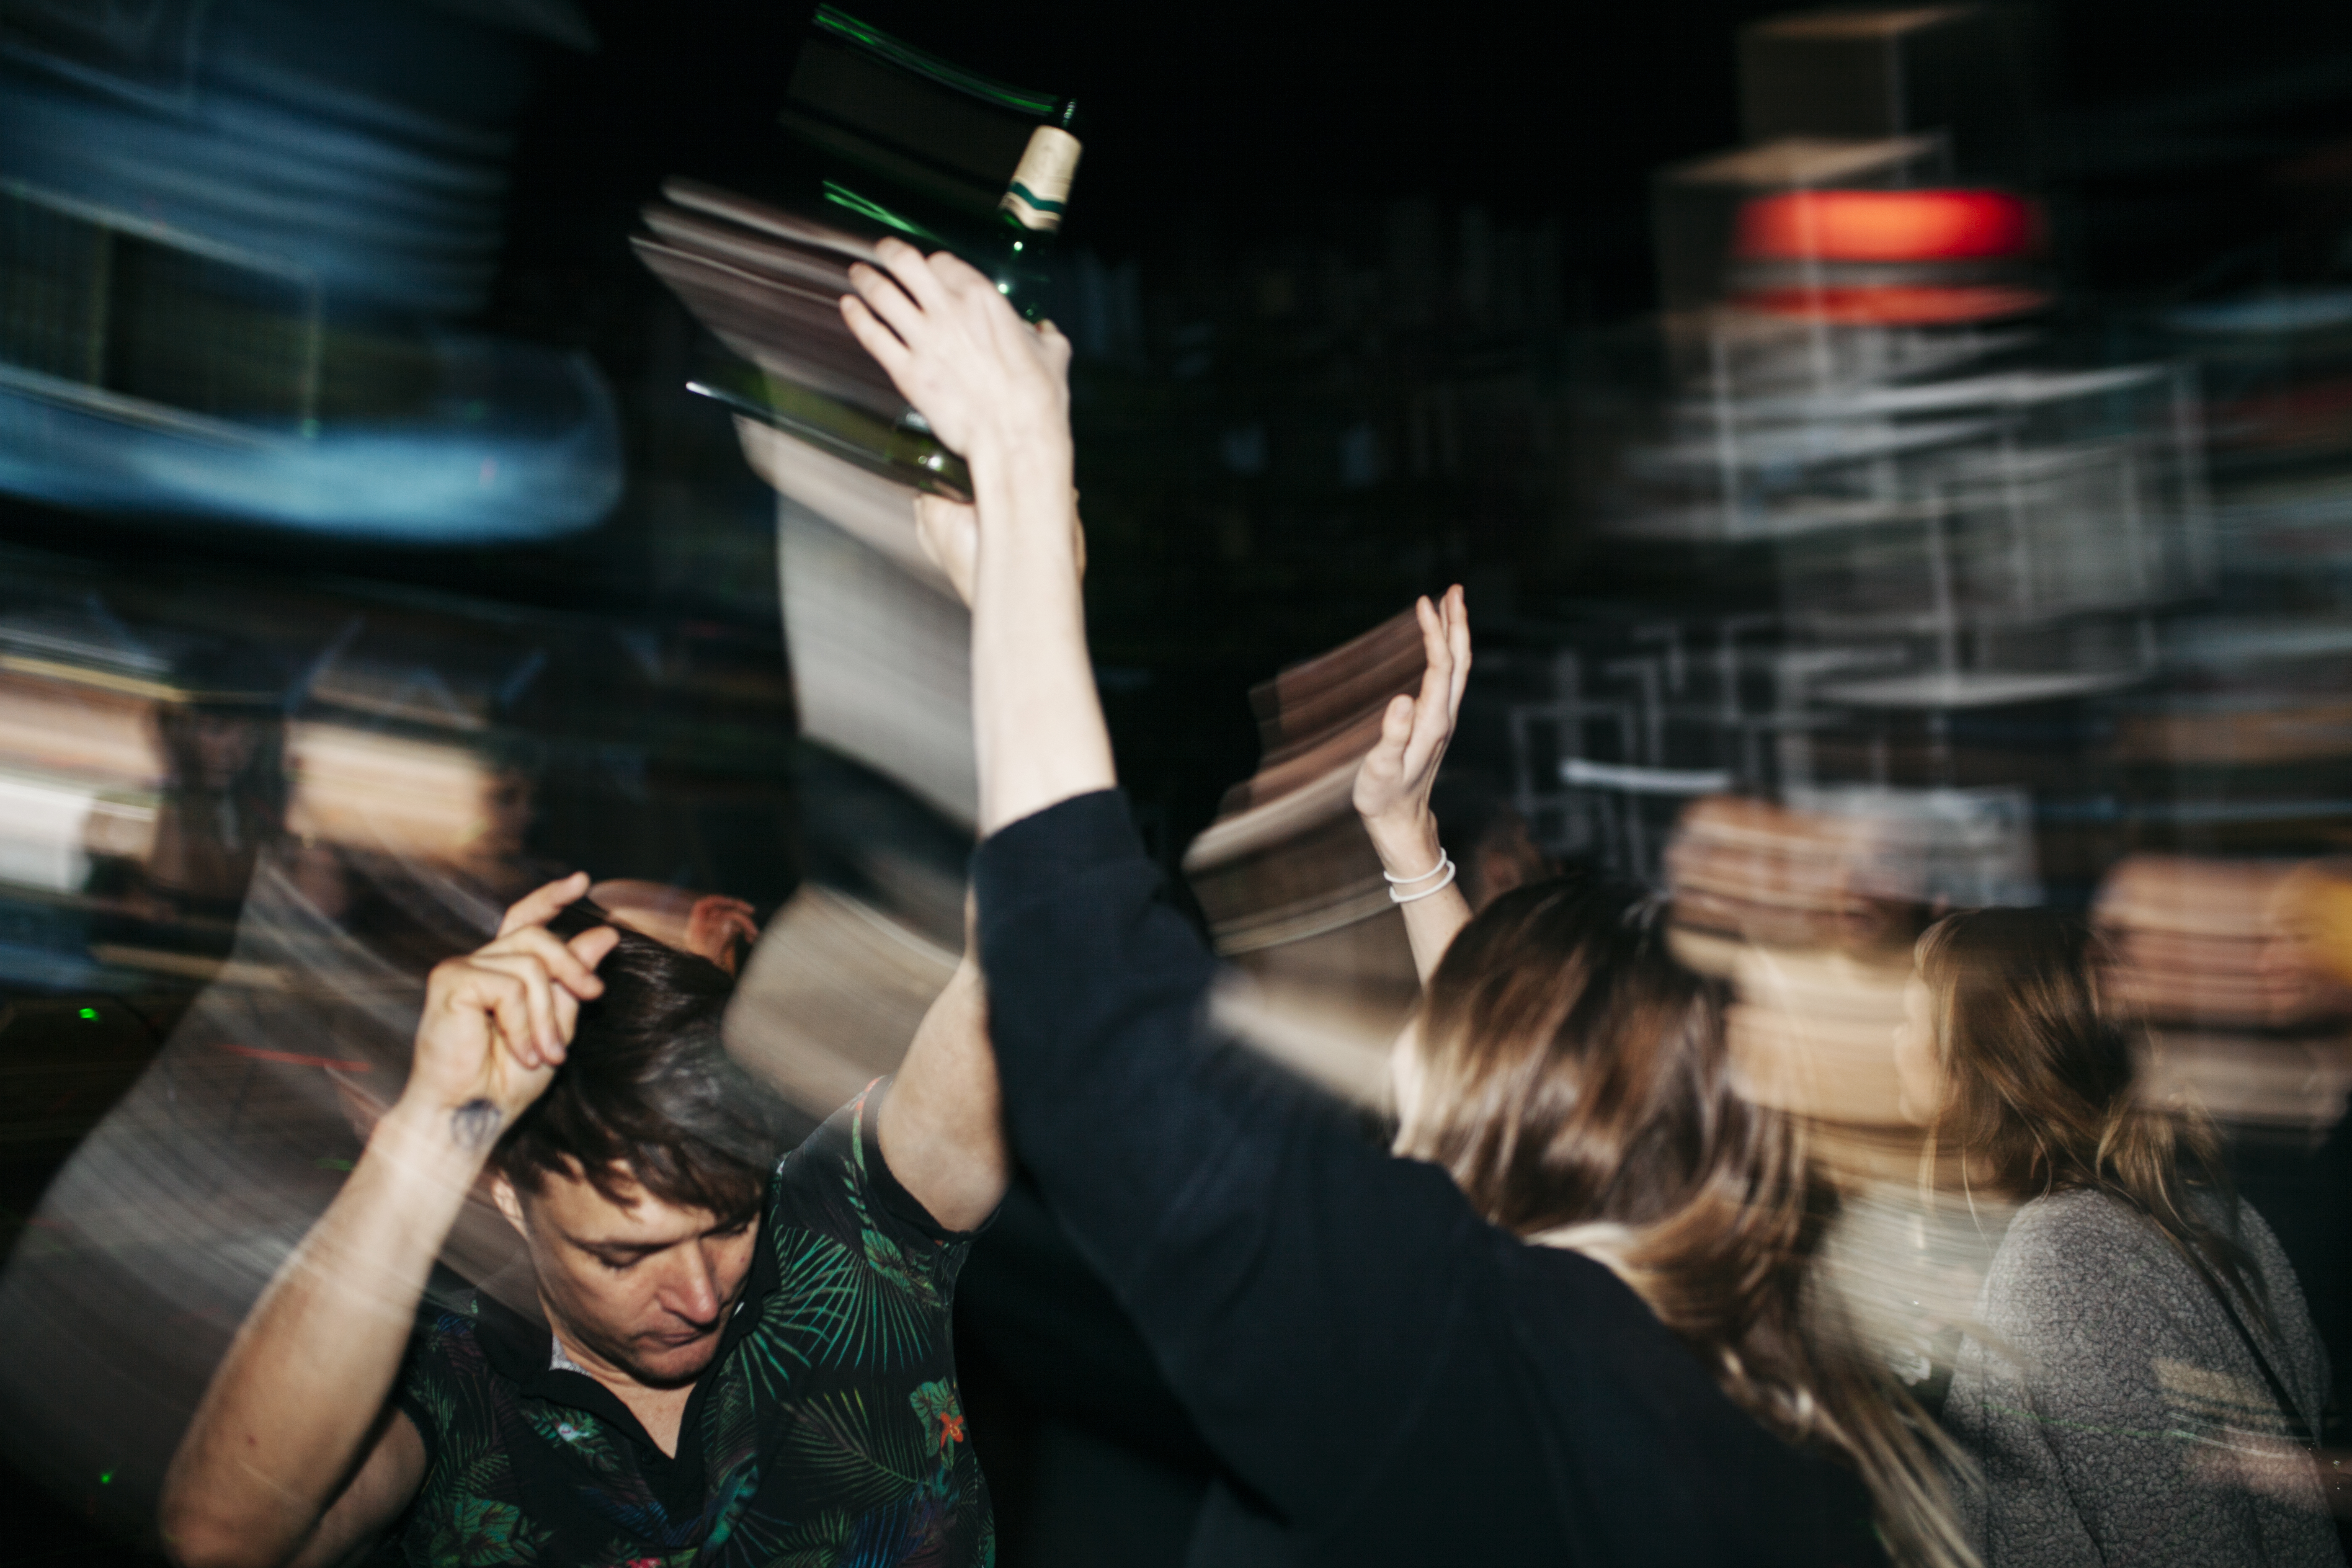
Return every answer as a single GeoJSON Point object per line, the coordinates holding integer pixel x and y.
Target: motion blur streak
{"type": "Point", "coordinates": [256, 819]}
{"type": "Point", "coordinates": [1904, 471]}
{"type": "Point", "coordinates": [234, 243]}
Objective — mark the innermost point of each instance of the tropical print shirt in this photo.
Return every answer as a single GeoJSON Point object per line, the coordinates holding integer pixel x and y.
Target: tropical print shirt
{"type": "Point", "coordinates": [827, 1431]}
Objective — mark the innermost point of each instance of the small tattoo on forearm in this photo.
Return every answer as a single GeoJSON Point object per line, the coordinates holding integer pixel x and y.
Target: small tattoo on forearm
{"type": "Point", "coordinates": [474, 1124]}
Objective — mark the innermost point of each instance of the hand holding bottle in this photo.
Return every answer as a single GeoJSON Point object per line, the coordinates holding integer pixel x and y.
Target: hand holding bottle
{"type": "Point", "coordinates": [988, 384]}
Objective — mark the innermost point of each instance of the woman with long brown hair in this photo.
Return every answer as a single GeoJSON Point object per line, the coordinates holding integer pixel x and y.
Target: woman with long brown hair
{"type": "Point", "coordinates": [2147, 1385]}
{"type": "Point", "coordinates": [1380, 1347]}
{"type": "Point", "coordinates": [1573, 1078]}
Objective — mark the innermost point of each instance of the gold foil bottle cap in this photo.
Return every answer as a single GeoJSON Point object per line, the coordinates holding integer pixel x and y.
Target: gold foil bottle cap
{"type": "Point", "coordinates": [1040, 190]}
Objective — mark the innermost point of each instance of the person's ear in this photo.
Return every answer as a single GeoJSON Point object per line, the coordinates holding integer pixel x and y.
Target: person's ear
{"type": "Point", "coordinates": [509, 1201]}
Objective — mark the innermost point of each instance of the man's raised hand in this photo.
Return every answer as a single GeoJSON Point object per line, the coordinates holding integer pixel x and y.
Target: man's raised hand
{"type": "Point", "coordinates": [499, 1020]}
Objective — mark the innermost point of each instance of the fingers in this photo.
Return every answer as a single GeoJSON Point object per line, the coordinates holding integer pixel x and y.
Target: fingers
{"type": "Point", "coordinates": [876, 340]}
{"type": "Point", "coordinates": [1435, 647]}
{"type": "Point", "coordinates": [1437, 673]}
{"type": "Point", "coordinates": [1396, 727]}
{"type": "Point", "coordinates": [489, 995]}
{"type": "Point", "coordinates": [1056, 346]}
{"type": "Point", "coordinates": [525, 1010]}
{"type": "Point", "coordinates": [531, 984]}
{"type": "Point", "coordinates": [958, 279]}
{"type": "Point", "coordinates": [920, 275]}
{"type": "Point", "coordinates": [912, 291]}
{"type": "Point", "coordinates": [1433, 711]}
{"type": "Point", "coordinates": [592, 947]}
{"type": "Point", "coordinates": [1457, 640]}
{"type": "Point", "coordinates": [555, 957]}
{"type": "Point", "coordinates": [890, 302]}
{"type": "Point", "coordinates": [543, 905]}
{"type": "Point", "coordinates": [935, 286]}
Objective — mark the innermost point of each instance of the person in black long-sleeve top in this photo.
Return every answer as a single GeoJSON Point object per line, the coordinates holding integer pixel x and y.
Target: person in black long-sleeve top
{"type": "Point", "coordinates": [1370, 1342]}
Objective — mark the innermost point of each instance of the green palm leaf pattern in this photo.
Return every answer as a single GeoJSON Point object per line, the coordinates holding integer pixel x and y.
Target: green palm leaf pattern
{"type": "Point", "coordinates": [580, 1434]}
{"type": "Point", "coordinates": [831, 1310]}
{"type": "Point", "coordinates": [730, 1424]}
{"type": "Point", "coordinates": [482, 1533]}
{"type": "Point", "coordinates": [863, 1461]}
{"type": "Point", "coordinates": [820, 1541]}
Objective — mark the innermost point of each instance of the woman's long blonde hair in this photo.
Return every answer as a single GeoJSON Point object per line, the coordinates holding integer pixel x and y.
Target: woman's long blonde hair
{"type": "Point", "coordinates": [1574, 1079]}
{"type": "Point", "coordinates": [2042, 1083]}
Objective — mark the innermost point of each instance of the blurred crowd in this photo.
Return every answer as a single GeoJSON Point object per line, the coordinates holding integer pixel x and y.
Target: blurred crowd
{"type": "Point", "coordinates": [1942, 702]}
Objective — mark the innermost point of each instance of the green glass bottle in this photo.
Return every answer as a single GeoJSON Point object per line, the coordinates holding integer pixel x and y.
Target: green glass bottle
{"type": "Point", "coordinates": [904, 142]}
{"type": "Point", "coordinates": [1030, 215]}
{"type": "Point", "coordinates": [905, 451]}
{"type": "Point", "coordinates": [1013, 249]}
{"type": "Point", "coordinates": [918, 145]}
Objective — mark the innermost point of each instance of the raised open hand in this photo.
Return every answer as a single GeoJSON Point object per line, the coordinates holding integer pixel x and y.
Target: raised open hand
{"type": "Point", "coordinates": [983, 377]}
{"type": "Point", "coordinates": [499, 1020]}
{"type": "Point", "coordinates": [1392, 785]}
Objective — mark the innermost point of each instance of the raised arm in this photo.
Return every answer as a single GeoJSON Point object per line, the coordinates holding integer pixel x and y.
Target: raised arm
{"type": "Point", "coordinates": [997, 391]}
{"type": "Point", "coordinates": [942, 1127]}
{"type": "Point", "coordinates": [292, 1455]}
{"type": "Point", "coordinates": [1393, 783]}
{"type": "Point", "coordinates": [1292, 1281]}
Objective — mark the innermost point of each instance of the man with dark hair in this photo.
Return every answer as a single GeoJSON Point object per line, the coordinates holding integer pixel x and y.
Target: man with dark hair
{"type": "Point", "coordinates": [743, 1360]}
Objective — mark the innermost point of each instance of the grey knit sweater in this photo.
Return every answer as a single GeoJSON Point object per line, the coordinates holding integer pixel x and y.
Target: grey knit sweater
{"type": "Point", "coordinates": [2117, 1417]}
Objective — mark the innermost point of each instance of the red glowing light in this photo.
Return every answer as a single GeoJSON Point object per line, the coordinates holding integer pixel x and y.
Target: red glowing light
{"type": "Point", "coordinates": [1888, 226]}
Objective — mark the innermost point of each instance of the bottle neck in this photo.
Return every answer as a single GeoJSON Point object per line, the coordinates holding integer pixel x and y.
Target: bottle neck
{"type": "Point", "coordinates": [1039, 191]}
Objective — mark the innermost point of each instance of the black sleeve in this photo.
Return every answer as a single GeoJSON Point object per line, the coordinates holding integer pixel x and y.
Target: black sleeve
{"type": "Point", "coordinates": [1302, 1291]}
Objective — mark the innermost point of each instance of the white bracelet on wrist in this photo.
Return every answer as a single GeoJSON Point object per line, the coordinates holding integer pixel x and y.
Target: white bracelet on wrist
{"type": "Point", "coordinates": [1397, 885]}
{"type": "Point", "coordinates": [1444, 860]}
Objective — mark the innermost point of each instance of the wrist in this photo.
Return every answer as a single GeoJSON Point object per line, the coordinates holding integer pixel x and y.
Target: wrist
{"type": "Point", "coordinates": [1406, 842]}
{"type": "Point", "coordinates": [1022, 445]}
{"type": "Point", "coordinates": [425, 1137]}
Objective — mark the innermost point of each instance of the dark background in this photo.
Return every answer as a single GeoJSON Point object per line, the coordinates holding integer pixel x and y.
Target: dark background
{"type": "Point", "coordinates": [1219, 135]}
